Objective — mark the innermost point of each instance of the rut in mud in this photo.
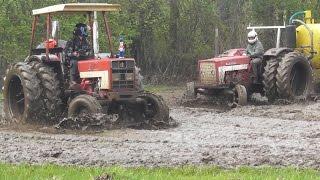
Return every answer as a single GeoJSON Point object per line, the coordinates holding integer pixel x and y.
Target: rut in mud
{"type": "Point", "coordinates": [99, 121]}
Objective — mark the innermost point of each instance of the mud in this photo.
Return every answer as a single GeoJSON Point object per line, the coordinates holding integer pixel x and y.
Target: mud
{"type": "Point", "coordinates": [254, 135]}
{"type": "Point", "coordinates": [2, 121]}
{"type": "Point", "coordinates": [100, 122]}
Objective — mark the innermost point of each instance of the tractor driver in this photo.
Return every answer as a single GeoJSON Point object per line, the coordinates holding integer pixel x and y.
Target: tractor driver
{"type": "Point", "coordinates": [77, 49]}
{"type": "Point", "coordinates": [255, 51]}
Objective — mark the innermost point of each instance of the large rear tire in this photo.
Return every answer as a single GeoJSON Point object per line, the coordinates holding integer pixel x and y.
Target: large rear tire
{"type": "Point", "coordinates": [21, 93]}
{"type": "Point", "coordinates": [155, 108]}
{"type": "Point", "coordinates": [294, 77]}
{"type": "Point", "coordinates": [51, 94]}
{"type": "Point", "coordinates": [270, 79]}
{"type": "Point", "coordinates": [84, 104]}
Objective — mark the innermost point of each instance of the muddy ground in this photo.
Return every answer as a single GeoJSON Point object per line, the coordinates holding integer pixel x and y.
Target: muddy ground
{"type": "Point", "coordinates": [254, 135]}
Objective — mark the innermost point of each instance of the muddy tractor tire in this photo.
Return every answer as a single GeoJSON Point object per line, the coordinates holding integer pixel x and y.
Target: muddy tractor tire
{"type": "Point", "coordinates": [51, 90]}
{"type": "Point", "coordinates": [84, 104]}
{"type": "Point", "coordinates": [294, 77]}
{"type": "Point", "coordinates": [21, 93]}
{"type": "Point", "coordinates": [138, 79]}
{"type": "Point", "coordinates": [270, 79]}
{"type": "Point", "coordinates": [190, 92]}
{"type": "Point", "coordinates": [240, 96]}
{"type": "Point", "coordinates": [155, 108]}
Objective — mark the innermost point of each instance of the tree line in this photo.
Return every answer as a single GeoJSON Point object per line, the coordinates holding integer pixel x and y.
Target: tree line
{"type": "Point", "coordinates": [166, 37]}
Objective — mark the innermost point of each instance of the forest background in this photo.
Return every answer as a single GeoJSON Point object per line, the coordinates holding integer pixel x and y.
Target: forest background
{"type": "Point", "coordinates": [166, 37]}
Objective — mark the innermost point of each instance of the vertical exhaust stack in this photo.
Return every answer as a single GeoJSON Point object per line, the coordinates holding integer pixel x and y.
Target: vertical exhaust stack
{"type": "Point", "coordinates": [95, 35]}
{"type": "Point", "coordinates": [55, 32]}
{"type": "Point", "coordinates": [216, 42]}
{"type": "Point", "coordinates": [291, 39]}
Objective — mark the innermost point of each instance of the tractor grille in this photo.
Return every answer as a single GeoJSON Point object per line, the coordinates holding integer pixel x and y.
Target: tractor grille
{"type": "Point", "coordinates": [207, 73]}
{"type": "Point", "coordinates": [123, 74]}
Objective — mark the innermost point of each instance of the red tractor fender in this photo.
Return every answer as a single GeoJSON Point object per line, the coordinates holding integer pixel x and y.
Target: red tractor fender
{"type": "Point", "coordinates": [42, 58]}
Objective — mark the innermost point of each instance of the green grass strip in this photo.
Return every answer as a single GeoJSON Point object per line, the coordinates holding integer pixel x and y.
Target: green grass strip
{"type": "Point", "coordinates": [8, 171]}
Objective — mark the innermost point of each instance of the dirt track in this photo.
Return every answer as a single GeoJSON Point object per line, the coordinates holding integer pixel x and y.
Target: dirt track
{"type": "Point", "coordinates": [252, 135]}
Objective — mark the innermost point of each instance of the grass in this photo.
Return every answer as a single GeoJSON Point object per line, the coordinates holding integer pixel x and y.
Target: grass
{"type": "Point", "coordinates": [1, 96]}
{"type": "Point", "coordinates": [160, 88]}
{"type": "Point", "coordinates": [8, 171]}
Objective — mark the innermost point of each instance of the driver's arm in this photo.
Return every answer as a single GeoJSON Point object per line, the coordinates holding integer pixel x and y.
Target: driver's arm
{"type": "Point", "coordinates": [248, 50]}
{"type": "Point", "coordinates": [69, 49]}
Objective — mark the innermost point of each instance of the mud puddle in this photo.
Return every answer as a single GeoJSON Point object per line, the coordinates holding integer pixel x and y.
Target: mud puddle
{"type": "Point", "coordinates": [100, 122]}
{"type": "Point", "coordinates": [259, 106]}
{"type": "Point", "coordinates": [86, 124]}
{"type": "Point", "coordinates": [253, 135]}
{"type": "Point", "coordinates": [203, 137]}
{"type": "Point", "coordinates": [301, 111]}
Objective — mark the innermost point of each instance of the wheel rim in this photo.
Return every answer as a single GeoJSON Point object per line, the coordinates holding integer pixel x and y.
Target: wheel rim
{"type": "Point", "coordinates": [81, 110]}
{"type": "Point", "coordinates": [236, 96]}
{"type": "Point", "coordinates": [299, 79]}
{"type": "Point", "coordinates": [233, 99]}
{"type": "Point", "coordinates": [16, 98]}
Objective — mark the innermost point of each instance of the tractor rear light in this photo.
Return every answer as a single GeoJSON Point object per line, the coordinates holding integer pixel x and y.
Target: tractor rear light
{"type": "Point", "coordinates": [116, 77]}
{"type": "Point", "coordinates": [122, 64]}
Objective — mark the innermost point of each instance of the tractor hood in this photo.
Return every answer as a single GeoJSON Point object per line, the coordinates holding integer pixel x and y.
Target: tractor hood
{"type": "Point", "coordinates": [212, 71]}
{"type": "Point", "coordinates": [229, 58]}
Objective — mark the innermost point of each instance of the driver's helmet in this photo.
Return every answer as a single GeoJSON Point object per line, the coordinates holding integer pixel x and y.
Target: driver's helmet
{"type": "Point", "coordinates": [81, 30]}
{"type": "Point", "coordinates": [252, 37]}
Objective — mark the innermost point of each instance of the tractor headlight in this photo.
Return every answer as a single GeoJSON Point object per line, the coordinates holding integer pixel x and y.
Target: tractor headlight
{"type": "Point", "coordinates": [116, 77]}
{"type": "Point", "coordinates": [129, 77]}
{"type": "Point", "coordinates": [115, 64]}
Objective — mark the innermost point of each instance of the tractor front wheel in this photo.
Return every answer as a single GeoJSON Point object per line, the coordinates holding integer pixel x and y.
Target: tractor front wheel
{"type": "Point", "coordinates": [83, 104]}
{"type": "Point", "coordinates": [190, 91]}
{"type": "Point", "coordinates": [240, 97]}
{"type": "Point", "coordinates": [155, 109]}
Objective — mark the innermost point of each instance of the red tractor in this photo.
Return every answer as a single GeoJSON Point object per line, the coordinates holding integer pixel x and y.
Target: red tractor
{"type": "Point", "coordinates": [286, 72]}
{"type": "Point", "coordinates": [226, 75]}
{"type": "Point", "coordinates": [37, 89]}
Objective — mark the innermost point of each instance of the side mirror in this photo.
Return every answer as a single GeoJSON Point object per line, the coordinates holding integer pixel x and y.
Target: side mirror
{"type": "Point", "coordinates": [55, 29]}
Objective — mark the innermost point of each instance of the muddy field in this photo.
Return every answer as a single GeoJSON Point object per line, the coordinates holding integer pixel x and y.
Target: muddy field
{"type": "Point", "coordinates": [281, 135]}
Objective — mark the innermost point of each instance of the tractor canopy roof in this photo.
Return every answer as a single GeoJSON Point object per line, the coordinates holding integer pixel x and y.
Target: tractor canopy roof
{"type": "Point", "coordinates": [77, 7]}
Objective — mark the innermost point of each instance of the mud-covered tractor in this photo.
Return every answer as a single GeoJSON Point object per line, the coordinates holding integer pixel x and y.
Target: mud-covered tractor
{"type": "Point", "coordinates": [290, 72]}
{"type": "Point", "coordinates": [227, 75]}
{"type": "Point", "coordinates": [38, 88]}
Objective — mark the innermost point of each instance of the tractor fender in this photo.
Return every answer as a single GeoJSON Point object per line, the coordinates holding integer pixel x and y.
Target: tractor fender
{"type": "Point", "coordinates": [33, 58]}
{"type": "Point", "coordinates": [41, 58]}
{"type": "Point", "coordinates": [274, 52]}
